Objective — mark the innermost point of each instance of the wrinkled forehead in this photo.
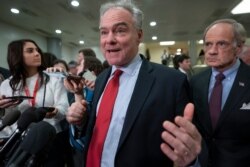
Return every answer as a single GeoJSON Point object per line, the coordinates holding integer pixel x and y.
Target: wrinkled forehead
{"type": "Point", "coordinates": [222, 31]}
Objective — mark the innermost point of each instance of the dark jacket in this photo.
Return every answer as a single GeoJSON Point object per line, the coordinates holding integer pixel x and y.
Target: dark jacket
{"type": "Point", "coordinates": [160, 94]}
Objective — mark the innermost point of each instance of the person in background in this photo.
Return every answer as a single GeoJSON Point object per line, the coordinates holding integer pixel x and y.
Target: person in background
{"type": "Point", "coordinates": [64, 135]}
{"type": "Point", "coordinates": [201, 57]}
{"type": "Point", "coordinates": [165, 58]}
{"type": "Point", "coordinates": [84, 53]}
{"type": "Point", "coordinates": [90, 69]}
{"type": "Point", "coordinates": [4, 74]}
{"type": "Point", "coordinates": [61, 64]}
{"type": "Point", "coordinates": [105, 64]}
{"type": "Point", "coordinates": [145, 129]}
{"type": "Point", "coordinates": [245, 54]}
{"type": "Point", "coordinates": [183, 64]}
{"type": "Point", "coordinates": [221, 95]}
{"type": "Point", "coordinates": [73, 67]}
{"type": "Point", "coordinates": [49, 58]}
{"type": "Point", "coordinates": [26, 64]}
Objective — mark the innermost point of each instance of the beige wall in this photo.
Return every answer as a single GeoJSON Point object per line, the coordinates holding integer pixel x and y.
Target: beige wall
{"type": "Point", "coordinates": [156, 50]}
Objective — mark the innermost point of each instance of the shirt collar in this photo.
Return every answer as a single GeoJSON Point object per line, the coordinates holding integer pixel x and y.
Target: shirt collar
{"type": "Point", "coordinates": [130, 69]}
{"type": "Point", "coordinates": [182, 70]}
{"type": "Point", "coordinates": [229, 71]}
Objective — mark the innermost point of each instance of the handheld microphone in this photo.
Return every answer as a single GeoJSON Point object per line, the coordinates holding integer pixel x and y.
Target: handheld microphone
{"type": "Point", "coordinates": [35, 145]}
{"type": "Point", "coordinates": [28, 116]}
{"type": "Point", "coordinates": [10, 118]}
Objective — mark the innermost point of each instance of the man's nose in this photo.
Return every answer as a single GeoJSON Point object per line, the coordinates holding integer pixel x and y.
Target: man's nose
{"type": "Point", "coordinates": [111, 38]}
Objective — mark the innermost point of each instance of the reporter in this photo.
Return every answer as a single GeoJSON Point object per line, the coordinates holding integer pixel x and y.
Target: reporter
{"type": "Point", "coordinates": [26, 64]}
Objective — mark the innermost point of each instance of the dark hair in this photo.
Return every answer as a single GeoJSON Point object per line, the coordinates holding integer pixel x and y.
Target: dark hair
{"type": "Point", "coordinates": [87, 52]}
{"type": "Point", "coordinates": [93, 64]}
{"type": "Point", "coordinates": [72, 63]}
{"type": "Point", "coordinates": [16, 64]}
{"type": "Point", "coordinates": [202, 53]}
{"type": "Point", "coordinates": [62, 62]}
{"type": "Point", "coordinates": [49, 59]}
{"type": "Point", "coordinates": [179, 59]}
{"type": "Point", "coordinates": [105, 64]}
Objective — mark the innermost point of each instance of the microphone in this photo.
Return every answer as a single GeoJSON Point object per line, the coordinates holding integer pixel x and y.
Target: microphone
{"type": "Point", "coordinates": [10, 118]}
{"type": "Point", "coordinates": [28, 116]}
{"type": "Point", "coordinates": [35, 145]}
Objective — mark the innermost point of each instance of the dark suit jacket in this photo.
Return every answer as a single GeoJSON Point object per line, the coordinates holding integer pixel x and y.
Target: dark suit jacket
{"type": "Point", "coordinates": [228, 145]}
{"type": "Point", "coordinates": [160, 94]}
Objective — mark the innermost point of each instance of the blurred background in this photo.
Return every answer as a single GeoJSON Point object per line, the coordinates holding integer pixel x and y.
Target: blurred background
{"type": "Point", "coordinates": [63, 29]}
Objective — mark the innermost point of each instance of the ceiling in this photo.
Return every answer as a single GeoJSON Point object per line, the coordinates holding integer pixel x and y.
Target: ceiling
{"type": "Point", "coordinates": [178, 20]}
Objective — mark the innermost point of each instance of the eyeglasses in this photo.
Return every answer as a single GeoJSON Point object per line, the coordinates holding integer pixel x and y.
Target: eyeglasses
{"type": "Point", "coordinates": [219, 44]}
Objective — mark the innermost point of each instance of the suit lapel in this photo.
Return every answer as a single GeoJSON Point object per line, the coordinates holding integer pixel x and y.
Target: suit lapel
{"type": "Point", "coordinates": [99, 87]}
{"type": "Point", "coordinates": [141, 92]}
{"type": "Point", "coordinates": [204, 113]}
{"type": "Point", "coordinates": [240, 85]}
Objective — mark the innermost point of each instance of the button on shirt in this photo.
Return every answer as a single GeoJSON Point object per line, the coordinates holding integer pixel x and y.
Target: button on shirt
{"type": "Point", "coordinates": [126, 88]}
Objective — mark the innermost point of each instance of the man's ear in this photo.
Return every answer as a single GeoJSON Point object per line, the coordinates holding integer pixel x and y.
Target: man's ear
{"type": "Point", "coordinates": [140, 35]}
{"type": "Point", "coordinates": [239, 48]}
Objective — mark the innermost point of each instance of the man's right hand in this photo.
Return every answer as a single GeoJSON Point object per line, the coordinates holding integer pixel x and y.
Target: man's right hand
{"type": "Point", "coordinates": [77, 113]}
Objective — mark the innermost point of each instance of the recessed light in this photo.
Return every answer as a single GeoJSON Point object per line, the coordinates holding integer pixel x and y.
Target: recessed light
{"type": "Point", "coordinates": [200, 41]}
{"type": "Point", "coordinates": [58, 31]}
{"type": "Point", "coordinates": [81, 42]}
{"type": "Point", "coordinates": [75, 3]}
{"type": "Point", "coordinates": [154, 38]}
{"type": "Point", "coordinates": [167, 43]}
{"type": "Point", "coordinates": [14, 10]}
{"type": "Point", "coordinates": [152, 23]}
{"type": "Point", "coordinates": [178, 50]}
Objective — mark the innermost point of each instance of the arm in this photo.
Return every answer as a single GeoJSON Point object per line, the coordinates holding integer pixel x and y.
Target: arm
{"type": "Point", "coordinates": [77, 117]}
{"type": "Point", "coordinates": [56, 89]}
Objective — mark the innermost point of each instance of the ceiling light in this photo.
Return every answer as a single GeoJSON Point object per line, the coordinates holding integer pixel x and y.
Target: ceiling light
{"type": "Point", "coordinates": [178, 50]}
{"type": "Point", "coordinates": [200, 41]}
{"type": "Point", "coordinates": [152, 23]}
{"type": "Point", "coordinates": [242, 7]}
{"type": "Point", "coordinates": [167, 43]}
{"type": "Point", "coordinates": [14, 10]}
{"type": "Point", "coordinates": [58, 31]}
{"type": "Point", "coordinates": [81, 42]}
{"type": "Point", "coordinates": [75, 3]}
{"type": "Point", "coordinates": [154, 38]}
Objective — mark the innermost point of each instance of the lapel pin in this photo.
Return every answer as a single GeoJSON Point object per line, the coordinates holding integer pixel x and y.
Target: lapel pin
{"type": "Point", "coordinates": [241, 84]}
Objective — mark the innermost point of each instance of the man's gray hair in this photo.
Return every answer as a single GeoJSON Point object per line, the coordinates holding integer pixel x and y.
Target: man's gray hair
{"type": "Point", "coordinates": [240, 33]}
{"type": "Point", "coordinates": [127, 5]}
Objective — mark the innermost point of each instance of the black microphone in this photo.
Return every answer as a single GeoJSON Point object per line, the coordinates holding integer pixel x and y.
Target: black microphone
{"type": "Point", "coordinates": [28, 116]}
{"type": "Point", "coordinates": [10, 118]}
{"type": "Point", "coordinates": [35, 145]}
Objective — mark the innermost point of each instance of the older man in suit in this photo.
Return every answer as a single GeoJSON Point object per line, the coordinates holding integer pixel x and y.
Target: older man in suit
{"type": "Point", "coordinates": [144, 128]}
{"type": "Point", "coordinates": [221, 97]}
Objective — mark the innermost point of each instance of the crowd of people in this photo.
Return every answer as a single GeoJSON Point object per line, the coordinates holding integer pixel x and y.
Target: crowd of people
{"type": "Point", "coordinates": [130, 112]}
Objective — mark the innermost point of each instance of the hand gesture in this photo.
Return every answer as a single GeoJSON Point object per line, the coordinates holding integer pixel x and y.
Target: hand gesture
{"type": "Point", "coordinates": [182, 141]}
{"type": "Point", "coordinates": [77, 113]}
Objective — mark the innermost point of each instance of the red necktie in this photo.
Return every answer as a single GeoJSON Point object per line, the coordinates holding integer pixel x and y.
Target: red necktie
{"type": "Point", "coordinates": [102, 121]}
{"type": "Point", "coordinates": [215, 99]}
